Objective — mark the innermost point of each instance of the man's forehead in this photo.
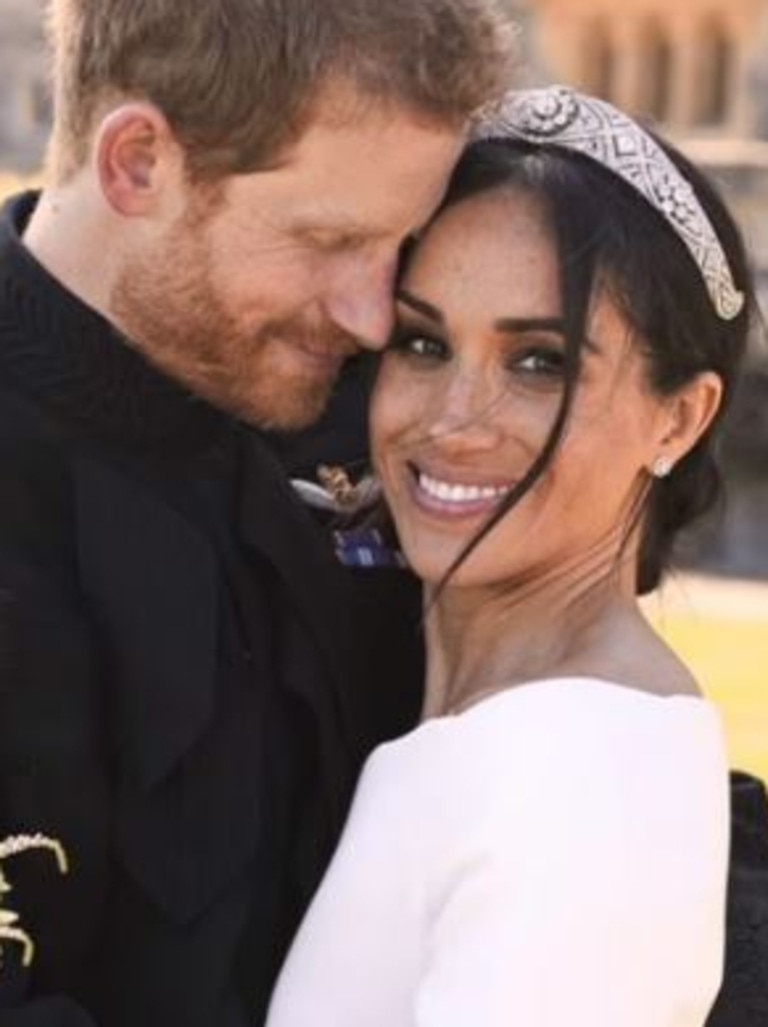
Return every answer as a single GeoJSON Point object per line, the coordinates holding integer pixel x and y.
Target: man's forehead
{"type": "Point", "coordinates": [370, 127]}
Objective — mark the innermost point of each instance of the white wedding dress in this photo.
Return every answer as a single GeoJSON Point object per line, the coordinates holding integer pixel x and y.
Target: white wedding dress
{"type": "Point", "coordinates": [555, 856]}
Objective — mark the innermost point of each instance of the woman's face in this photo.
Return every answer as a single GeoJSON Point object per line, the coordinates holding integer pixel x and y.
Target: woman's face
{"type": "Point", "coordinates": [468, 392]}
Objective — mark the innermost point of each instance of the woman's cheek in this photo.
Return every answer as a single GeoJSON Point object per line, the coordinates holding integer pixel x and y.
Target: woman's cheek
{"type": "Point", "coordinates": [396, 403]}
{"type": "Point", "coordinates": [383, 419]}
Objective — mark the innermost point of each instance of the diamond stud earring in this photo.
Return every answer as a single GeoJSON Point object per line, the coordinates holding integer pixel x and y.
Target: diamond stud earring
{"type": "Point", "coordinates": [662, 466]}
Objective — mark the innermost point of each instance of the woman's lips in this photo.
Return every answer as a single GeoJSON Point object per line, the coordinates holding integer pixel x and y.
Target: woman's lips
{"type": "Point", "coordinates": [455, 498]}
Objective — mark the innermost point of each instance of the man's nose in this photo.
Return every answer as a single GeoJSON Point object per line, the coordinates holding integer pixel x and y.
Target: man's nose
{"type": "Point", "coordinates": [361, 301]}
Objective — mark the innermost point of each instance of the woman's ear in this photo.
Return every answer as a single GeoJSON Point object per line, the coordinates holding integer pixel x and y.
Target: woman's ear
{"type": "Point", "coordinates": [136, 155]}
{"type": "Point", "coordinates": [690, 411]}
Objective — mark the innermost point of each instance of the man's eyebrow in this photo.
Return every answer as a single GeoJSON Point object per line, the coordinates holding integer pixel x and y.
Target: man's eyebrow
{"type": "Point", "coordinates": [319, 226]}
{"type": "Point", "coordinates": [308, 229]}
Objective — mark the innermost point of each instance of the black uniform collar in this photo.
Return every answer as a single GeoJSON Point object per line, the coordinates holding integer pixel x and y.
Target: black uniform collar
{"type": "Point", "coordinates": [65, 354]}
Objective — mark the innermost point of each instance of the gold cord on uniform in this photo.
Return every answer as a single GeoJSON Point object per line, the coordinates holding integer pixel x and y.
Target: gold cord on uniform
{"type": "Point", "coordinates": [10, 929]}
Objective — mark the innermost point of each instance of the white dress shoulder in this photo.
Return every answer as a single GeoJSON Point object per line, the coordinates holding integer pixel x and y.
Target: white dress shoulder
{"type": "Point", "coordinates": [555, 856]}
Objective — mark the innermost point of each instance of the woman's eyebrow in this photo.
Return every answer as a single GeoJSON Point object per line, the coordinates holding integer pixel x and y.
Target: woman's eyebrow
{"type": "Point", "coordinates": [510, 325]}
{"type": "Point", "coordinates": [520, 325]}
{"type": "Point", "coordinates": [504, 324]}
{"type": "Point", "coordinates": [530, 324]}
{"type": "Point", "coordinates": [419, 305]}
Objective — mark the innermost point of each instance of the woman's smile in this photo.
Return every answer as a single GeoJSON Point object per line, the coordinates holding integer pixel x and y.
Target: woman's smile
{"type": "Point", "coordinates": [449, 497]}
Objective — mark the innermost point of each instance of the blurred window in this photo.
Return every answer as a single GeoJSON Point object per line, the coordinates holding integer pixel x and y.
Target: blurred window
{"type": "Point", "coordinates": [598, 61]}
{"type": "Point", "coordinates": [40, 104]}
{"type": "Point", "coordinates": [657, 60]}
{"type": "Point", "coordinates": [715, 76]}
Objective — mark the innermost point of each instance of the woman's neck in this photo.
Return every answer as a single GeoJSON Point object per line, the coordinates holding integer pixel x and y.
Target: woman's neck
{"type": "Point", "coordinates": [482, 640]}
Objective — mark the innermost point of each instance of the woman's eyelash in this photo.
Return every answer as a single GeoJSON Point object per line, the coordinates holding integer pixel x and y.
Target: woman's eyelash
{"type": "Point", "coordinates": [543, 360]}
{"type": "Point", "coordinates": [418, 343]}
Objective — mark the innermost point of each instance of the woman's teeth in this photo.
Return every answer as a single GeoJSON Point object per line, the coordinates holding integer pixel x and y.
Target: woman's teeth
{"type": "Point", "coordinates": [448, 492]}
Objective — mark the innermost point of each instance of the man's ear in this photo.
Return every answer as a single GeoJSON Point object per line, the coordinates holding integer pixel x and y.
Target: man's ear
{"type": "Point", "coordinates": [136, 156]}
{"type": "Point", "coordinates": [690, 412]}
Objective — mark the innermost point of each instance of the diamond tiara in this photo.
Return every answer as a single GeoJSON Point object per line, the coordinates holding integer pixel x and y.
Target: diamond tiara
{"type": "Point", "coordinates": [562, 117]}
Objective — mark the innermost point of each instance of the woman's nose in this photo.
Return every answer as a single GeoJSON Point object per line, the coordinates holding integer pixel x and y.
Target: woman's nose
{"type": "Point", "coordinates": [466, 412]}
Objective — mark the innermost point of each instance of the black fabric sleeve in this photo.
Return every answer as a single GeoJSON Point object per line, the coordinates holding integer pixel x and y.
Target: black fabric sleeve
{"type": "Point", "coordinates": [48, 1012]}
{"type": "Point", "coordinates": [53, 782]}
{"type": "Point", "coordinates": [743, 998]}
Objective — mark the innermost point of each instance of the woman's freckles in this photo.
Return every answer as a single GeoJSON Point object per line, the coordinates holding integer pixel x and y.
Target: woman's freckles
{"type": "Point", "coordinates": [469, 390]}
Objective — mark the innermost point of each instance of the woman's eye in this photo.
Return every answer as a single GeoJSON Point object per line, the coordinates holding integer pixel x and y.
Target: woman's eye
{"type": "Point", "coordinates": [419, 346]}
{"type": "Point", "coordinates": [542, 361]}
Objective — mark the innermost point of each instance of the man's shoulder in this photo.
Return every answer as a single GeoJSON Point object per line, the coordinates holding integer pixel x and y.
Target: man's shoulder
{"type": "Point", "coordinates": [32, 445]}
{"type": "Point", "coordinates": [35, 485]}
{"type": "Point", "coordinates": [27, 431]}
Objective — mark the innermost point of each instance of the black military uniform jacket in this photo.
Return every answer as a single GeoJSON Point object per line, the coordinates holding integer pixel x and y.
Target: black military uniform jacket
{"type": "Point", "coordinates": [189, 681]}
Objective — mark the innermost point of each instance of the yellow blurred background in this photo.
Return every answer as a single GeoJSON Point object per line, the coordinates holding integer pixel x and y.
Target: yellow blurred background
{"type": "Point", "coordinates": [720, 629]}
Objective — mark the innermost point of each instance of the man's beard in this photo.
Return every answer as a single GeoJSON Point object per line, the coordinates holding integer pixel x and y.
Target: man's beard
{"type": "Point", "coordinates": [168, 308]}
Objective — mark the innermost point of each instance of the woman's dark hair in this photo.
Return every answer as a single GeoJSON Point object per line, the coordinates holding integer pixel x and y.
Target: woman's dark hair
{"type": "Point", "coordinates": [609, 236]}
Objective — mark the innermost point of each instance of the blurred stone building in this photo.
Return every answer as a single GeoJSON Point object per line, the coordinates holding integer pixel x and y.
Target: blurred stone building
{"type": "Point", "coordinates": [699, 68]}
{"type": "Point", "coordinates": [687, 64]}
{"type": "Point", "coordinates": [25, 108]}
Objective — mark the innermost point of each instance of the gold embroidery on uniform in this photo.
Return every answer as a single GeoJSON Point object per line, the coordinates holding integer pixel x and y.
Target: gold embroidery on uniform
{"type": "Point", "coordinates": [10, 930]}
{"type": "Point", "coordinates": [336, 481]}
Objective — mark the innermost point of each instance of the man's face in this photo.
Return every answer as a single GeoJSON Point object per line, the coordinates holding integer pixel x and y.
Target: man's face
{"type": "Point", "coordinates": [254, 300]}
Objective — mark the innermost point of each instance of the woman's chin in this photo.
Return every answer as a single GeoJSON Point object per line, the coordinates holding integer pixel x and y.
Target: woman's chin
{"type": "Point", "coordinates": [434, 573]}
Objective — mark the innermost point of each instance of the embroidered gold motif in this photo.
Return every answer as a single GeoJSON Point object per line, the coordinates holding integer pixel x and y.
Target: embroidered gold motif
{"type": "Point", "coordinates": [10, 929]}
{"type": "Point", "coordinates": [336, 481]}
